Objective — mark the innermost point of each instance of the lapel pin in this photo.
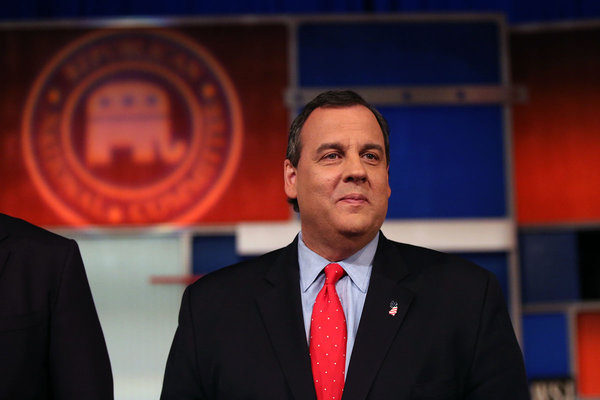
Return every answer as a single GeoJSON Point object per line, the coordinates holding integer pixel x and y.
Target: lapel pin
{"type": "Point", "coordinates": [393, 308]}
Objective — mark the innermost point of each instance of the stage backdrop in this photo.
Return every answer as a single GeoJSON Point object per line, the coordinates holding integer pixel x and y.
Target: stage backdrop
{"type": "Point", "coordinates": [118, 126]}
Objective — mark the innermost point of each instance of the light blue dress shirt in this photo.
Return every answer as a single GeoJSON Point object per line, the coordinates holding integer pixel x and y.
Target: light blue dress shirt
{"type": "Point", "coordinates": [352, 288]}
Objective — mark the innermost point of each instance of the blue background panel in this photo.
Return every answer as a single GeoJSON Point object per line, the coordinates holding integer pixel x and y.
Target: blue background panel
{"type": "Point", "coordinates": [446, 162]}
{"type": "Point", "coordinates": [497, 263]}
{"type": "Point", "coordinates": [517, 11]}
{"type": "Point", "coordinates": [549, 266]}
{"type": "Point", "coordinates": [210, 253]}
{"type": "Point", "coordinates": [408, 53]}
{"type": "Point", "coordinates": [545, 346]}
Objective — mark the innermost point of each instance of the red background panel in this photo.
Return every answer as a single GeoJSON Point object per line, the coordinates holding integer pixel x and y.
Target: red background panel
{"type": "Point", "coordinates": [255, 59]}
{"type": "Point", "coordinates": [588, 353]}
{"type": "Point", "coordinates": [557, 131]}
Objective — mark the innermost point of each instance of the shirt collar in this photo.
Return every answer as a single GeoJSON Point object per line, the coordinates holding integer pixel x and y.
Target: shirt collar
{"type": "Point", "coordinates": [358, 266]}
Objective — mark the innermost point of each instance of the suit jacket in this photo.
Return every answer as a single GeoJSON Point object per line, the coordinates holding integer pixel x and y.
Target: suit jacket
{"type": "Point", "coordinates": [51, 343]}
{"type": "Point", "coordinates": [241, 333]}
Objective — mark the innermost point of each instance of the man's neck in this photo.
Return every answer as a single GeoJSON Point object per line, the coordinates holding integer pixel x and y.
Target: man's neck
{"type": "Point", "coordinates": [338, 249]}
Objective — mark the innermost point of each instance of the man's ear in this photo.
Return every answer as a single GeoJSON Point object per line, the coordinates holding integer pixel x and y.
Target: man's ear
{"type": "Point", "coordinates": [289, 179]}
{"type": "Point", "coordinates": [389, 189]}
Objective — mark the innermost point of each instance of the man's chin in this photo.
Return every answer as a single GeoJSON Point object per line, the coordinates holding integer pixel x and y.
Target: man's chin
{"type": "Point", "coordinates": [357, 230]}
{"type": "Point", "coordinates": [353, 226]}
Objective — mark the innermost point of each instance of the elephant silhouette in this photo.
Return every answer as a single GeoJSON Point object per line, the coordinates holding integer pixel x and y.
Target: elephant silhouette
{"type": "Point", "coordinates": [132, 115]}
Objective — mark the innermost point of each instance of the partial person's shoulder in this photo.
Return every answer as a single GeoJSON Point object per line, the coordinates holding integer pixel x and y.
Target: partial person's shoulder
{"type": "Point", "coordinates": [27, 234]}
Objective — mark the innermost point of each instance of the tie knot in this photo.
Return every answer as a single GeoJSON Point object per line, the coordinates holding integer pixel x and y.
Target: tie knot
{"type": "Point", "coordinates": [333, 273]}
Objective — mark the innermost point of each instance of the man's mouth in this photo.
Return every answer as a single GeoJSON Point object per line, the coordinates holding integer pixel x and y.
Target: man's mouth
{"type": "Point", "coordinates": [354, 198]}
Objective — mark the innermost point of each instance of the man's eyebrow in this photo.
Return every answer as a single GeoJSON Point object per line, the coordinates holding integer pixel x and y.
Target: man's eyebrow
{"type": "Point", "coordinates": [340, 147]}
{"type": "Point", "coordinates": [330, 146]}
{"type": "Point", "coordinates": [372, 146]}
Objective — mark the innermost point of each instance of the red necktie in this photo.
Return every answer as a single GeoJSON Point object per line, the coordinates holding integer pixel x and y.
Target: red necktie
{"type": "Point", "coordinates": [328, 338]}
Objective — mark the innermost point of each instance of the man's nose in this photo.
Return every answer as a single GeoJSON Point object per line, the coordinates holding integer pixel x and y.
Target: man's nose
{"type": "Point", "coordinates": [354, 169]}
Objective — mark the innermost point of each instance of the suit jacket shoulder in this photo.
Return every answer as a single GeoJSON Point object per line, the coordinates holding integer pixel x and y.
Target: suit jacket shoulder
{"type": "Point", "coordinates": [449, 337]}
{"type": "Point", "coordinates": [241, 334]}
{"type": "Point", "coordinates": [24, 235]}
{"type": "Point", "coordinates": [51, 342]}
{"type": "Point", "coordinates": [32, 263]}
{"type": "Point", "coordinates": [417, 260]}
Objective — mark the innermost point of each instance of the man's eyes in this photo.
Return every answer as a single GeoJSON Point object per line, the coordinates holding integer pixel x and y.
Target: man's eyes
{"type": "Point", "coordinates": [371, 156]}
{"type": "Point", "coordinates": [331, 156]}
{"type": "Point", "coordinates": [335, 156]}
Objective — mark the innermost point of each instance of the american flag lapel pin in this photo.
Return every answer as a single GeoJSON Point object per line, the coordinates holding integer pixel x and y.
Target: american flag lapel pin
{"type": "Point", "coordinates": [393, 308]}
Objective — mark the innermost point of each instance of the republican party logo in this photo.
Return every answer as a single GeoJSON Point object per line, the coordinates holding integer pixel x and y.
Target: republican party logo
{"type": "Point", "coordinates": [132, 127]}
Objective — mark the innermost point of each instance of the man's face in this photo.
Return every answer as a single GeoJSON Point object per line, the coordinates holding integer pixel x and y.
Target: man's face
{"type": "Point", "coordinates": [341, 181]}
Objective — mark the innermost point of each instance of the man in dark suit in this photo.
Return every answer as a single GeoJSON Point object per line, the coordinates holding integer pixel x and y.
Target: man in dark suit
{"type": "Point", "coordinates": [416, 323]}
{"type": "Point", "coordinates": [51, 342]}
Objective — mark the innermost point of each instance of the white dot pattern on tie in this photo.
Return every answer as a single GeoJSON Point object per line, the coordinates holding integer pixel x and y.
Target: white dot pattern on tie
{"type": "Point", "coordinates": [328, 338]}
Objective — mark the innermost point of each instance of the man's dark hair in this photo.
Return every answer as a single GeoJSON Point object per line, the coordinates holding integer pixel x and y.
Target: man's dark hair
{"type": "Point", "coordinates": [330, 99]}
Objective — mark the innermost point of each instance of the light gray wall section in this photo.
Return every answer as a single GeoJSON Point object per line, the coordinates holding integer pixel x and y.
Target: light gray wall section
{"type": "Point", "coordinates": [139, 319]}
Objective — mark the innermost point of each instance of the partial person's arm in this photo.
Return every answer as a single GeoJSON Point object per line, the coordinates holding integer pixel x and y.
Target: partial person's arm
{"type": "Point", "coordinates": [79, 364]}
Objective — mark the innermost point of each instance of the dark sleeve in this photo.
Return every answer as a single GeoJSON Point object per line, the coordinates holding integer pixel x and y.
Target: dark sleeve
{"type": "Point", "coordinates": [79, 366]}
{"type": "Point", "coordinates": [497, 371]}
{"type": "Point", "coordinates": [181, 381]}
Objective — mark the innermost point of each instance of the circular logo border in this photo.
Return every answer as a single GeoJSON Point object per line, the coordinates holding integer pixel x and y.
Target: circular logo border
{"type": "Point", "coordinates": [215, 191]}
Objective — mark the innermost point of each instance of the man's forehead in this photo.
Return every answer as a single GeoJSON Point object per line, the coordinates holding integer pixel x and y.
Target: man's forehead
{"type": "Point", "coordinates": [342, 120]}
{"type": "Point", "coordinates": [341, 116]}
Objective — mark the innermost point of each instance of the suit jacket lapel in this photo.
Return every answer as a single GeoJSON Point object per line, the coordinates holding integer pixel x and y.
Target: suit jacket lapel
{"type": "Point", "coordinates": [377, 327]}
{"type": "Point", "coordinates": [281, 309]}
